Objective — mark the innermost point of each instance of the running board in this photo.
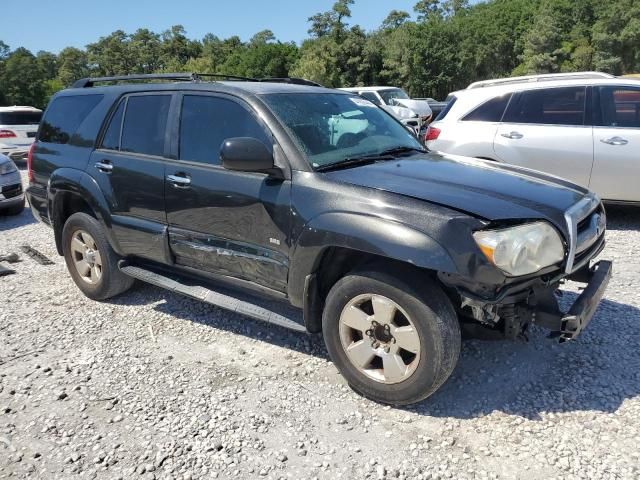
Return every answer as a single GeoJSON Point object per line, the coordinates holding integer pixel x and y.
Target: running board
{"type": "Point", "coordinates": [213, 298]}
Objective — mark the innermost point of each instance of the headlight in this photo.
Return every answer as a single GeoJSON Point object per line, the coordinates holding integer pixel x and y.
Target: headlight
{"type": "Point", "coordinates": [523, 249]}
{"type": "Point", "coordinates": [7, 167]}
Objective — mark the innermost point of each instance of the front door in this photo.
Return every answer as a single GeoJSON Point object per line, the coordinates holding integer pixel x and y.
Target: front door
{"type": "Point", "coordinates": [222, 221]}
{"type": "Point", "coordinates": [547, 130]}
{"type": "Point", "coordinates": [616, 142]}
{"type": "Point", "coordinates": [129, 168]}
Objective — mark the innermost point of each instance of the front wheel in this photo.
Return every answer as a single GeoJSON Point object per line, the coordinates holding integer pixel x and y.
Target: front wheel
{"type": "Point", "coordinates": [393, 343]}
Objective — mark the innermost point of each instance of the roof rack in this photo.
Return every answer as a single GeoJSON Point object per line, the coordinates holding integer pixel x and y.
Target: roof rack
{"type": "Point", "coordinates": [186, 77]}
{"type": "Point", "coordinates": [540, 78]}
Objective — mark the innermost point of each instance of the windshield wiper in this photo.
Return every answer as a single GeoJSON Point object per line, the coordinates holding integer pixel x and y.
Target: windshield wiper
{"type": "Point", "coordinates": [400, 150]}
{"type": "Point", "coordinates": [355, 161]}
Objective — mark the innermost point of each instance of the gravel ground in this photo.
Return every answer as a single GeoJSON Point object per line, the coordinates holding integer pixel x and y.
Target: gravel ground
{"type": "Point", "coordinates": [154, 385]}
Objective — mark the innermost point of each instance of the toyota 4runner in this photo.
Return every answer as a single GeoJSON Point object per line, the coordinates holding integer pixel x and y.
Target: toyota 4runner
{"type": "Point", "coordinates": [321, 199]}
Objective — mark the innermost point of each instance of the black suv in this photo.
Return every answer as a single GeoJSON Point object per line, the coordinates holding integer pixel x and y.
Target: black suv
{"type": "Point", "coordinates": [321, 199]}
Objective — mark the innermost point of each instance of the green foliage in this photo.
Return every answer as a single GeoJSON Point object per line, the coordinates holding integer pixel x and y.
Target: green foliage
{"type": "Point", "coordinates": [449, 44]}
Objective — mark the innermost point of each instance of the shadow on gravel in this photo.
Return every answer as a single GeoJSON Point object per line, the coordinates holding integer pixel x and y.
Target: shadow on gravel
{"type": "Point", "coordinates": [623, 217]}
{"type": "Point", "coordinates": [184, 308]}
{"type": "Point", "coordinates": [596, 372]}
{"type": "Point", "coordinates": [15, 221]}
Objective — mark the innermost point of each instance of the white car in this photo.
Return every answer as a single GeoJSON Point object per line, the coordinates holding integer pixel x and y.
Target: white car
{"type": "Point", "coordinates": [11, 193]}
{"type": "Point", "coordinates": [413, 113]}
{"type": "Point", "coordinates": [584, 127]}
{"type": "Point", "coordinates": [18, 128]}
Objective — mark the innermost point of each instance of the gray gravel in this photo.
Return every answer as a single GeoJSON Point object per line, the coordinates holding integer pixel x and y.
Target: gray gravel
{"type": "Point", "coordinates": [154, 385]}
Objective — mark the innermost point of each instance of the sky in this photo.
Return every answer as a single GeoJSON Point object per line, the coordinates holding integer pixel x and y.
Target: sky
{"type": "Point", "coordinates": [54, 24]}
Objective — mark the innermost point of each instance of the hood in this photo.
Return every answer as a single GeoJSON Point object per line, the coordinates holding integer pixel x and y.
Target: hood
{"type": "Point", "coordinates": [484, 189]}
{"type": "Point", "coordinates": [421, 107]}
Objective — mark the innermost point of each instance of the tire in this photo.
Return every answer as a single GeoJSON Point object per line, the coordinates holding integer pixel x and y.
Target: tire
{"type": "Point", "coordinates": [99, 282]}
{"type": "Point", "coordinates": [428, 313]}
{"type": "Point", "coordinates": [14, 210]}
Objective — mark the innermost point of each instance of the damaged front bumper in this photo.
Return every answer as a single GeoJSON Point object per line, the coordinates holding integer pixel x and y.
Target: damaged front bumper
{"type": "Point", "coordinates": [568, 326]}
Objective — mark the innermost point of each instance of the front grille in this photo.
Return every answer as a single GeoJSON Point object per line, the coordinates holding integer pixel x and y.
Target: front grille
{"type": "Point", "coordinates": [586, 222]}
{"type": "Point", "coordinates": [10, 191]}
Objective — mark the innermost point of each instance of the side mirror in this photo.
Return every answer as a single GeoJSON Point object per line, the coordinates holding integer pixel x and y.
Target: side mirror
{"type": "Point", "coordinates": [245, 154]}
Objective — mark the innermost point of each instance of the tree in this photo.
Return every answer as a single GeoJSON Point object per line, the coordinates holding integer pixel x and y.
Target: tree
{"type": "Point", "coordinates": [22, 80]}
{"type": "Point", "coordinates": [395, 19]}
{"type": "Point", "coordinates": [428, 8]}
{"type": "Point", "coordinates": [72, 65]}
{"type": "Point", "coordinates": [542, 51]}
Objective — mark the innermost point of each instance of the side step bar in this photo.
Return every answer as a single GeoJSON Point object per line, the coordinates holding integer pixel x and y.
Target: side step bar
{"type": "Point", "coordinates": [214, 298]}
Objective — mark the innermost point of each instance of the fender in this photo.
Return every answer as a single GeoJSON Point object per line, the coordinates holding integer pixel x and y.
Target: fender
{"type": "Point", "coordinates": [363, 233]}
{"type": "Point", "coordinates": [84, 186]}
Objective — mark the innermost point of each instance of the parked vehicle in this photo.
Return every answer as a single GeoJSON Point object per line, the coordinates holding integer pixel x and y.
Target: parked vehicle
{"type": "Point", "coordinates": [11, 194]}
{"type": "Point", "coordinates": [18, 127]}
{"type": "Point", "coordinates": [412, 112]}
{"type": "Point", "coordinates": [583, 127]}
{"type": "Point", "coordinates": [387, 249]}
{"type": "Point", "coordinates": [435, 105]}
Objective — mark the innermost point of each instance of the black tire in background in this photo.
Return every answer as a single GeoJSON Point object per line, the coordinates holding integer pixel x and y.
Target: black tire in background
{"type": "Point", "coordinates": [112, 281]}
{"type": "Point", "coordinates": [432, 315]}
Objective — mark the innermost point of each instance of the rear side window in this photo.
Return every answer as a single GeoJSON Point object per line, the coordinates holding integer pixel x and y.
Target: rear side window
{"type": "Point", "coordinates": [552, 106]}
{"type": "Point", "coordinates": [65, 115]}
{"type": "Point", "coordinates": [145, 123]}
{"type": "Point", "coordinates": [490, 111]}
{"type": "Point", "coordinates": [620, 107]}
{"type": "Point", "coordinates": [206, 122]}
{"type": "Point", "coordinates": [451, 100]}
{"type": "Point", "coordinates": [20, 118]}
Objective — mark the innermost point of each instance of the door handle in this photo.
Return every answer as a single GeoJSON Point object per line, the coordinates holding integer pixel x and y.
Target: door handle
{"type": "Point", "coordinates": [179, 180]}
{"type": "Point", "coordinates": [513, 135]}
{"type": "Point", "coordinates": [104, 166]}
{"type": "Point", "coordinates": [614, 141]}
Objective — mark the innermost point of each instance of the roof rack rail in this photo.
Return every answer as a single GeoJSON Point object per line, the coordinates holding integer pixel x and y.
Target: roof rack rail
{"type": "Point", "coordinates": [185, 77]}
{"type": "Point", "coordinates": [540, 78]}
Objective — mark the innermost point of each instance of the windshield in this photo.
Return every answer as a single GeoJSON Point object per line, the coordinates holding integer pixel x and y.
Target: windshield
{"type": "Point", "coordinates": [391, 94]}
{"type": "Point", "coordinates": [331, 128]}
{"type": "Point", "coordinates": [20, 118]}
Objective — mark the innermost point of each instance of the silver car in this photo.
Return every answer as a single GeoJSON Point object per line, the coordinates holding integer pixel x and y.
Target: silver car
{"type": "Point", "coordinates": [11, 193]}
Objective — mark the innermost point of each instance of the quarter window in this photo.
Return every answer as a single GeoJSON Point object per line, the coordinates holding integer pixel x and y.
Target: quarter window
{"type": "Point", "coordinates": [145, 123]}
{"type": "Point", "coordinates": [490, 111]}
{"type": "Point", "coordinates": [64, 117]}
{"type": "Point", "coordinates": [620, 107]}
{"type": "Point", "coordinates": [111, 138]}
{"type": "Point", "coordinates": [206, 122]}
{"type": "Point", "coordinates": [552, 106]}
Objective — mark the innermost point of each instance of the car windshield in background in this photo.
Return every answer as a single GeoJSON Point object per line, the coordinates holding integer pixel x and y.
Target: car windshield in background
{"type": "Point", "coordinates": [391, 94]}
{"type": "Point", "coordinates": [20, 118]}
{"type": "Point", "coordinates": [333, 128]}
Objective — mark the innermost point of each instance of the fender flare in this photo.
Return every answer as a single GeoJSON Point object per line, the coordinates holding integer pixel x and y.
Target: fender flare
{"type": "Point", "coordinates": [366, 234]}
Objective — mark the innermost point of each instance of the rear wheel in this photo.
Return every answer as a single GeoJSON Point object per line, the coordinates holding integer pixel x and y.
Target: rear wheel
{"type": "Point", "coordinates": [90, 259]}
{"type": "Point", "coordinates": [392, 343]}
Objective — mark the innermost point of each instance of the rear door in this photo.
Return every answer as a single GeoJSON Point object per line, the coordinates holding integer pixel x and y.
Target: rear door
{"type": "Point", "coordinates": [547, 129]}
{"type": "Point", "coordinates": [129, 168]}
{"type": "Point", "coordinates": [221, 221]}
{"type": "Point", "coordinates": [616, 143]}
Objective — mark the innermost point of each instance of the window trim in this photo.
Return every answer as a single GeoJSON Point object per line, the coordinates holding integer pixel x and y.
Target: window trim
{"type": "Point", "coordinates": [114, 108]}
{"type": "Point", "coordinates": [177, 121]}
{"type": "Point", "coordinates": [516, 96]}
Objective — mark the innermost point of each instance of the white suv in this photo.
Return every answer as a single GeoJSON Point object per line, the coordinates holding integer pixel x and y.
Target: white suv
{"type": "Point", "coordinates": [584, 127]}
{"type": "Point", "coordinates": [18, 128]}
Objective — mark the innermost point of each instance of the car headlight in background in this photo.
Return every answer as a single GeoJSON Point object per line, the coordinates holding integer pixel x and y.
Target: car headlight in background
{"type": "Point", "coordinates": [7, 167]}
{"type": "Point", "coordinates": [523, 249]}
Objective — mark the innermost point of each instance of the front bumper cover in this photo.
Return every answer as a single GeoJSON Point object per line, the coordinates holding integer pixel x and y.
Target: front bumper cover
{"type": "Point", "coordinates": [568, 326]}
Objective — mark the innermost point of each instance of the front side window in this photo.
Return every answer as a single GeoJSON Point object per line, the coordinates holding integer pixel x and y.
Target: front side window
{"type": "Point", "coordinates": [390, 94]}
{"type": "Point", "coordinates": [206, 122]}
{"type": "Point", "coordinates": [620, 107]}
{"type": "Point", "coordinates": [65, 115]}
{"type": "Point", "coordinates": [331, 128]}
{"type": "Point", "coordinates": [550, 106]}
{"type": "Point", "coordinates": [490, 111]}
{"type": "Point", "coordinates": [145, 123]}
